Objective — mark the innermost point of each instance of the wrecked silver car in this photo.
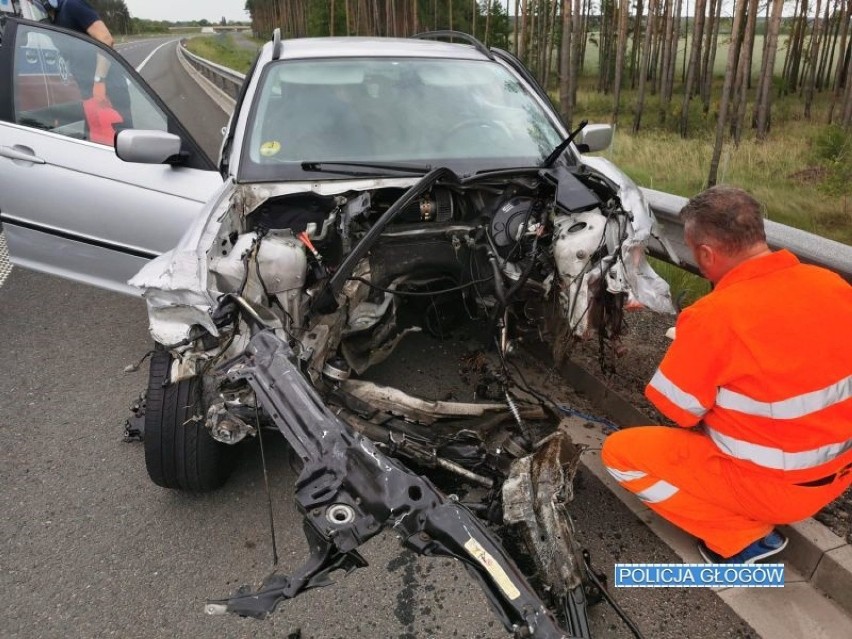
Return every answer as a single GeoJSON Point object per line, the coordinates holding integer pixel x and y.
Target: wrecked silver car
{"type": "Point", "coordinates": [386, 188]}
{"type": "Point", "coordinates": [375, 193]}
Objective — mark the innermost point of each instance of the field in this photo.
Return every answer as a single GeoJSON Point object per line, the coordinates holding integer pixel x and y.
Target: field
{"type": "Point", "coordinates": [225, 49]}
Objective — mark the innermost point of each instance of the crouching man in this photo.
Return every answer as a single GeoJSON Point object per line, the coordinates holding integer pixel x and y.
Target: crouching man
{"type": "Point", "coordinates": [759, 377]}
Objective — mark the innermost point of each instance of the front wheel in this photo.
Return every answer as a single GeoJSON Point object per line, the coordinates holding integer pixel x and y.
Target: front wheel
{"type": "Point", "coordinates": [179, 451]}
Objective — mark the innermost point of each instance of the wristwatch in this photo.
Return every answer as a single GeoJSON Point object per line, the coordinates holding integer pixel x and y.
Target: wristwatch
{"type": "Point", "coordinates": [98, 79]}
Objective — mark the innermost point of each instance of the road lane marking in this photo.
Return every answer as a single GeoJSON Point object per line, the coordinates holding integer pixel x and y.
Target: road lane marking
{"type": "Point", "coordinates": [151, 55]}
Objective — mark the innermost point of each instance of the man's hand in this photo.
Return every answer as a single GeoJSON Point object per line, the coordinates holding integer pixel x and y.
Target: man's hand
{"type": "Point", "coordinates": [99, 93]}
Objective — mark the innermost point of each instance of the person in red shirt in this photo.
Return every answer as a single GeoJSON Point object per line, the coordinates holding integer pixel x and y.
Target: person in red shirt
{"type": "Point", "coordinates": [759, 378]}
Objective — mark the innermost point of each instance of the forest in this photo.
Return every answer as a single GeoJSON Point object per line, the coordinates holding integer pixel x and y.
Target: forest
{"type": "Point", "coordinates": [668, 50]}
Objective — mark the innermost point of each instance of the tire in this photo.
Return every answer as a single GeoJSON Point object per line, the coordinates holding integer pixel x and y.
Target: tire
{"type": "Point", "coordinates": [179, 451]}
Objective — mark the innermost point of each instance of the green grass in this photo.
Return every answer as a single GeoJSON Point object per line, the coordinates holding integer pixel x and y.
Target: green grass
{"type": "Point", "coordinates": [802, 172]}
{"type": "Point", "coordinates": [795, 189]}
{"type": "Point", "coordinates": [221, 49]}
{"type": "Point", "coordinates": [685, 287]}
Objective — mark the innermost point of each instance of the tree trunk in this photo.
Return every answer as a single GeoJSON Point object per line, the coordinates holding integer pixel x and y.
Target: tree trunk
{"type": "Point", "coordinates": [841, 75]}
{"type": "Point", "coordinates": [576, 52]}
{"type": "Point", "coordinates": [584, 30]}
{"type": "Point", "coordinates": [685, 41]}
{"type": "Point", "coordinates": [566, 104]}
{"type": "Point", "coordinates": [705, 86]}
{"type": "Point", "coordinates": [744, 73]}
{"type": "Point", "coordinates": [828, 22]}
{"type": "Point", "coordinates": [551, 39]}
{"type": "Point", "coordinates": [847, 109]}
{"type": "Point", "coordinates": [346, 9]}
{"type": "Point", "coordinates": [673, 62]}
{"type": "Point", "coordinates": [474, 13]}
{"type": "Point", "coordinates": [694, 57]}
{"type": "Point", "coordinates": [643, 69]}
{"type": "Point", "coordinates": [487, 21]}
{"type": "Point", "coordinates": [796, 47]}
{"type": "Point", "coordinates": [634, 49]}
{"type": "Point", "coordinates": [711, 63]}
{"type": "Point", "coordinates": [764, 97]}
{"type": "Point", "coordinates": [658, 60]}
{"type": "Point", "coordinates": [813, 60]}
{"type": "Point", "coordinates": [730, 72]}
{"type": "Point", "coordinates": [623, 15]}
{"type": "Point", "coordinates": [669, 50]}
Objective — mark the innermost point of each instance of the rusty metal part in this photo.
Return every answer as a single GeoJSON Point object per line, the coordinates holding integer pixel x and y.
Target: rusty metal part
{"type": "Point", "coordinates": [535, 499]}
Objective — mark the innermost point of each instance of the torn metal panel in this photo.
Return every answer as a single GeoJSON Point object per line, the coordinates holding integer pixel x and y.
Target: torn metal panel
{"type": "Point", "coordinates": [535, 500]}
{"type": "Point", "coordinates": [396, 402]}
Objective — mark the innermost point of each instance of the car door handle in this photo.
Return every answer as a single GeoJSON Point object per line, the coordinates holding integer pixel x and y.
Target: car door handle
{"type": "Point", "coordinates": [21, 153]}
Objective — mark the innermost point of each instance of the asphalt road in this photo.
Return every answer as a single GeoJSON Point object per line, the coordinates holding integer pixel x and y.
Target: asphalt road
{"type": "Point", "coordinates": [90, 548]}
{"type": "Point", "coordinates": [184, 97]}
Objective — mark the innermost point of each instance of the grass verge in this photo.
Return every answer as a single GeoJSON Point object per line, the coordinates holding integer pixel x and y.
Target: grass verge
{"type": "Point", "coordinates": [222, 49]}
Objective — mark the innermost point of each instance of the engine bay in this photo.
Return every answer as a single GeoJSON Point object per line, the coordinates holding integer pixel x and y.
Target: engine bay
{"type": "Point", "coordinates": [519, 253]}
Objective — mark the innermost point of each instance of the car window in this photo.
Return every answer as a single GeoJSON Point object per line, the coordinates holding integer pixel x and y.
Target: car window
{"type": "Point", "coordinates": [25, 8]}
{"type": "Point", "coordinates": [54, 89]}
{"type": "Point", "coordinates": [440, 111]}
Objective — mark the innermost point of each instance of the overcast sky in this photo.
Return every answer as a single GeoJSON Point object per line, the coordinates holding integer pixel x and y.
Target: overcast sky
{"type": "Point", "coordinates": [175, 10]}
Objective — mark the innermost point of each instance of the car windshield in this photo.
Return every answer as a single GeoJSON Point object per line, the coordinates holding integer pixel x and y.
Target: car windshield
{"type": "Point", "coordinates": [465, 114]}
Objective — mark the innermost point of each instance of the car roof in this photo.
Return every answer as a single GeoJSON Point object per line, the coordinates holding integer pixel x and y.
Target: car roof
{"type": "Point", "coordinates": [359, 47]}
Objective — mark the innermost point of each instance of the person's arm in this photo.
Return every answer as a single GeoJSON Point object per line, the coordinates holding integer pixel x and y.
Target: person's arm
{"type": "Point", "coordinates": [685, 384]}
{"type": "Point", "coordinates": [99, 31]}
{"type": "Point", "coordinates": [82, 17]}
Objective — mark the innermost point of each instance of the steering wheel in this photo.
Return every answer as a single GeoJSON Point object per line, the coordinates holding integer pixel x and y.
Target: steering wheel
{"type": "Point", "coordinates": [491, 130]}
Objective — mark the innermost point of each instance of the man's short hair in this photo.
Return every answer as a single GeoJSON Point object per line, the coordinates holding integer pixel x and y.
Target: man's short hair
{"type": "Point", "coordinates": [726, 217]}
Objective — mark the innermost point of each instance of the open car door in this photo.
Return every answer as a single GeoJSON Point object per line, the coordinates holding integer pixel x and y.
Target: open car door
{"type": "Point", "coordinates": [68, 204]}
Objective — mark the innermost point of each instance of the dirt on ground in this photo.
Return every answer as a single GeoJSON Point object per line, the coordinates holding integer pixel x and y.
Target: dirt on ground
{"type": "Point", "coordinates": [627, 367]}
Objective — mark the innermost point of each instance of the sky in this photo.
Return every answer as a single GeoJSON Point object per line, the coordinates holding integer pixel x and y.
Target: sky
{"type": "Point", "coordinates": [176, 10]}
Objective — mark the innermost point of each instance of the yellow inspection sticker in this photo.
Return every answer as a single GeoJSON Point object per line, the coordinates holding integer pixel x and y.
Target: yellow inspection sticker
{"type": "Point", "coordinates": [268, 149]}
{"type": "Point", "coordinates": [494, 569]}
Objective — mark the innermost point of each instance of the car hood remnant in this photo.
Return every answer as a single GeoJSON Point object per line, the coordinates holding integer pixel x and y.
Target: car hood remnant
{"type": "Point", "coordinates": [584, 244]}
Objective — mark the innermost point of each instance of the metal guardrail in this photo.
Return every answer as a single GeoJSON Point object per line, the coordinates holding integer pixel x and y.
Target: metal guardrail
{"type": "Point", "coordinates": [809, 247]}
{"type": "Point", "coordinates": [228, 80]}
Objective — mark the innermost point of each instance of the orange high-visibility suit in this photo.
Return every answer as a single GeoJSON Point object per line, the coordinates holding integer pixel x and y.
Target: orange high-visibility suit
{"type": "Point", "coordinates": [760, 378]}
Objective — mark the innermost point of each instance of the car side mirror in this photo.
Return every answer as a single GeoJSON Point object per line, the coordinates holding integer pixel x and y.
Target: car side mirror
{"type": "Point", "coordinates": [148, 147]}
{"type": "Point", "coordinates": [596, 137]}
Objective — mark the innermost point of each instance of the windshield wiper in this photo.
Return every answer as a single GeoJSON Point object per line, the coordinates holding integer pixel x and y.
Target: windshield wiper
{"type": "Point", "coordinates": [331, 167]}
{"type": "Point", "coordinates": [548, 162]}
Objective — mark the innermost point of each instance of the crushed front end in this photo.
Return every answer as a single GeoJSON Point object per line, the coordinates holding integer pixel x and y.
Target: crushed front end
{"type": "Point", "coordinates": [287, 295]}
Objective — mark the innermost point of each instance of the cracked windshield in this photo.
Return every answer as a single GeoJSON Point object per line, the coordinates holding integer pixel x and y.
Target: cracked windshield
{"type": "Point", "coordinates": [396, 110]}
